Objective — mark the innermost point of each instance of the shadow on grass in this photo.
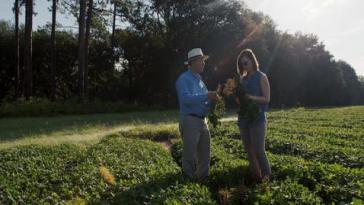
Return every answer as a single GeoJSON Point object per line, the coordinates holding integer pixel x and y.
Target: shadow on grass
{"type": "Point", "coordinates": [175, 187]}
{"type": "Point", "coordinates": [148, 191]}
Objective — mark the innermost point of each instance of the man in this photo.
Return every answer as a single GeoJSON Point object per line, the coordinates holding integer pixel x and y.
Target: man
{"type": "Point", "coordinates": [194, 100]}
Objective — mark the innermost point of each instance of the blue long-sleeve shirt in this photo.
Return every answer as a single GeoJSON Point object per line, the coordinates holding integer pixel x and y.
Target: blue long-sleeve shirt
{"type": "Point", "coordinates": [192, 94]}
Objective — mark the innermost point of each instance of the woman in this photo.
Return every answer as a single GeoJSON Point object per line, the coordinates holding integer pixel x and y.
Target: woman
{"type": "Point", "coordinates": [253, 133]}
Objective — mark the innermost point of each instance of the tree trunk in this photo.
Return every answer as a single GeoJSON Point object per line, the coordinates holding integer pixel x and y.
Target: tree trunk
{"type": "Point", "coordinates": [28, 84]}
{"type": "Point", "coordinates": [53, 51]}
{"type": "Point", "coordinates": [17, 52]}
{"type": "Point", "coordinates": [113, 27]}
{"type": "Point", "coordinates": [81, 49]}
{"type": "Point", "coordinates": [87, 49]}
{"type": "Point", "coordinates": [113, 34]}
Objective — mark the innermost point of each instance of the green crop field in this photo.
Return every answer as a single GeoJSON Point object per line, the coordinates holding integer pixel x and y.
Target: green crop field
{"type": "Point", "coordinates": [316, 155]}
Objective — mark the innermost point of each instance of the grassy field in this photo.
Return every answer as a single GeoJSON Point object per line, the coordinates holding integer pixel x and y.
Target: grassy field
{"type": "Point", "coordinates": [317, 156]}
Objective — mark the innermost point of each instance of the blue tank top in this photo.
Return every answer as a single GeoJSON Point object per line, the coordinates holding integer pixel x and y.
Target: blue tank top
{"type": "Point", "coordinates": [252, 85]}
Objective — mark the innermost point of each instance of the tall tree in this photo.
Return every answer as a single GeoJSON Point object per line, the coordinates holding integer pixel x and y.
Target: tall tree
{"type": "Point", "coordinates": [113, 25]}
{"type": "Point", "coordinates": [113, 32]}
{"type": "Point", "coordinates": [17, 52]}
{"type": "Point", "coordinates": [87, 42]}
{"type": "Point", "coordinates": [28, 53]}
{"type": "Point", "coordinates": [81, 48]}
{"type": "Point", "coordinates": [53, 50]}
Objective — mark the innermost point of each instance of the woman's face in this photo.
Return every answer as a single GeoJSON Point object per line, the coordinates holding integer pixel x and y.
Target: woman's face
{"type": "Point", "coordinates": [246, 64]}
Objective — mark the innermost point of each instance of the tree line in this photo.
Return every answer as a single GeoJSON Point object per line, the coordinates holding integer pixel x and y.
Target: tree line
{"type": "Point", "coordinates": [133, 51]}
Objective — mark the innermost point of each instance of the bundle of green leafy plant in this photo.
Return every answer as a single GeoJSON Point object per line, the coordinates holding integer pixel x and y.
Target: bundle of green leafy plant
{"type": "Point", "coordinates": [248, 109]}
{"type": "Point", "coordinates": [216, 113]}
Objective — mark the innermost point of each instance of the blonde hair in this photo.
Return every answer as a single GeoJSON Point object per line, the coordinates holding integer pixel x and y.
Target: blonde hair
{"type": "Point", "coordinates": [250, 54]}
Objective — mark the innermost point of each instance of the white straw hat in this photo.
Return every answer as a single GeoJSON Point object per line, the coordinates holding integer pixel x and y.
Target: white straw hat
{"type": "Point", "coordinates": [195, 53]}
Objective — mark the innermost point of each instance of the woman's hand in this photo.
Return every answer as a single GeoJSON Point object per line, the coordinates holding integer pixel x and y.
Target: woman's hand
{"type": "Point", "coordinates": [251, 97]}
{"type": "Point", "coordinates": [256, 98]}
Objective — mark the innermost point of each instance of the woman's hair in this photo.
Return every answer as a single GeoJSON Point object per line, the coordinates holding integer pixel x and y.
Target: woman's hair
{"type": "Point", "coordinates": [249, 54]}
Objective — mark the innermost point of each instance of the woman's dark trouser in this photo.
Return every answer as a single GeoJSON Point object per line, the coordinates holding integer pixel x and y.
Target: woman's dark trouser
{"type": "Point", "coordinates": [254, 144]}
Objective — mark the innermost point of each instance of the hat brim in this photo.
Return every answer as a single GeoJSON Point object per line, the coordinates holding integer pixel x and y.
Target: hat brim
{"type": "Point", "coordinates": [205, 57]}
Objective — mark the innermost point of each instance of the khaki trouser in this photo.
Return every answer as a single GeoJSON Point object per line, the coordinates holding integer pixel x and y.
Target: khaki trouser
{"type": "Point", "coordinates": [196, 147]}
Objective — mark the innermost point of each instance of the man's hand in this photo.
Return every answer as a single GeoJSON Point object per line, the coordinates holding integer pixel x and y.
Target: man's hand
{"type": "Point", "coordinates": [237, 100]}
{"type": "Point", "coordinates": [213, 96]}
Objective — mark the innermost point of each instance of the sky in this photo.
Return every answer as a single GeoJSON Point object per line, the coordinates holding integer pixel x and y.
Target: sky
{"type": "Point", "coordinates": [43, 15]}
{"type": "Point", "coordinates": [339, 24]}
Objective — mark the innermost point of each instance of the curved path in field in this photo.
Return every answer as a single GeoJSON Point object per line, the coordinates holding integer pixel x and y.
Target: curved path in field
{"type": "Point", "coordinates": [80, 129]}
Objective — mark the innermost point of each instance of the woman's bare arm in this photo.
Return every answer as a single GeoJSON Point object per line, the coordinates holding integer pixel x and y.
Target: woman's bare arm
{"type": "Point", "coordinates": [265, 98]}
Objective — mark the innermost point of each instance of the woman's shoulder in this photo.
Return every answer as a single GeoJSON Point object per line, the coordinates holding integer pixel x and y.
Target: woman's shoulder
{"type": "Point", "coordinates": [262, 76]}
{"type": "Point", "coordinates": [261, 73]}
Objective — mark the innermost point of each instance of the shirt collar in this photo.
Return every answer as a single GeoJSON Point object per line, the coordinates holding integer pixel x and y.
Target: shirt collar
{"type": "Point", "coordinates": [194, 75]}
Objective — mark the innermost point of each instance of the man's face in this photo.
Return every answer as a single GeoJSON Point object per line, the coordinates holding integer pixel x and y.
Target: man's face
{"type": "Point", "coordinates": [198, 65]}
